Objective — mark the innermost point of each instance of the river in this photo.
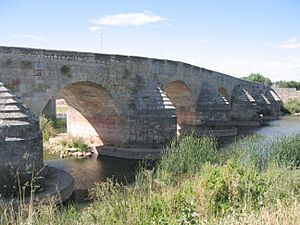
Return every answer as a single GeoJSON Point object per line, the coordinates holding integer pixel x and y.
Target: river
{"type": "Point", "coordinates": [87, 172]}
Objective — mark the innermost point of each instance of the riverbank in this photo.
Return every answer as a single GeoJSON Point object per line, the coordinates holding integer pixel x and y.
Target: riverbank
{"type": "Point", "coordinates": [251, 181]}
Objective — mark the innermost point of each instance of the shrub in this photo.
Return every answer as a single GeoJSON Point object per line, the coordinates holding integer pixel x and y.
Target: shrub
{"type": "Point", "coordinates": [51, 127]}
{"type": "Point", "coordinates": [75, 142]}
{"type": "Point", "coordinates": [292, 106]}
{"type": "Point", "coordinates": [47, 128]}
{"type": "Point", "coordinates": [65, 70]}
{"type": "Point", "coordinates": [232, 188]}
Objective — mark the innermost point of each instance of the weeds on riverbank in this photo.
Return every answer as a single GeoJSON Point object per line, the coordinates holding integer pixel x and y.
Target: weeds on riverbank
{"type": "Point", "coordinates": [51, 127]}
{"type": "Point", "coordinates": [292, 106]}
{"type": "Point", "coordinates": [76, 143]}
{"type": "Point", "coordinates": [247, 180]}
{"type": "Point", "coordinates": [186, 156]}
{"type": "Point", "coordinates": [250, 181]}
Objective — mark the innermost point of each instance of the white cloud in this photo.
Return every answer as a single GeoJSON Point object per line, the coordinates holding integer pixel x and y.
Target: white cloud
{"type": "Point", "coordinates": [292, 43]}
{"type": "Point", "coordinates": [29, 36]}
{"type": "Point", "coordinates": [124, 19]}
{"type": "Point", "coordinates": [285, 69]}
{"type": "Point", "coordinates": [280, 69]}
{"type": "Point", "coordinates": [253, 63]}
{"type": "Point", "coordinates": [96, 28]}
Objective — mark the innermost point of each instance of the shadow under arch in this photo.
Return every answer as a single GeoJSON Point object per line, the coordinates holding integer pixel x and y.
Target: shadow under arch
{"type": "Point", "coordinates": [93, 114]}
{"type": "Point", "coordinates": [223, 92]}
{"type": "Point", "coordinates": [181, 97]}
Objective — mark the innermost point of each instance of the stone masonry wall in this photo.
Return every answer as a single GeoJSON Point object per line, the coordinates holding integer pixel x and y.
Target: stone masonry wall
{"type": "Point", "coordinates": [125, 98]}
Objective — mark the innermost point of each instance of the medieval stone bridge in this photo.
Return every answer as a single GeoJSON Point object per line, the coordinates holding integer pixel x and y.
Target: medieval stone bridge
{"type": "Point", "coordinates": [126, 102]}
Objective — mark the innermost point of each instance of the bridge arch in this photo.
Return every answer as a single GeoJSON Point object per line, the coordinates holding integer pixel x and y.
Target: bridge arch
{"type": "Point", "coordinates": [93, 114]}
{"type": "Point", "coordinates": [223, 92]}
{"type": "Point", "coordinates": [181, 97]}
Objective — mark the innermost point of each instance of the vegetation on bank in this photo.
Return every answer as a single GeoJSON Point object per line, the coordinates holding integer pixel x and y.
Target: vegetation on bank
{"type": "Point", "coordinates": [292, 106]}
{"type": "Point", "coordinates": [287, 84]}
{"type": "Point", "coordinates": [76, 143]}
{"type": "Point", "coordinates": [51, 127]}
{"type": "Point", "coordinates": [252, 181]}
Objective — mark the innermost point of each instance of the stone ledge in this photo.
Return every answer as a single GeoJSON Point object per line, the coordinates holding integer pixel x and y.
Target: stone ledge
{"type": "Point", "coordinates": [219, 132]}
{"type": "Point", "coordinates": [59, 186]}
{"type": "Point", "coordinates": [129, 153]}
{"type": "Point", "coordinates": [248, 123]}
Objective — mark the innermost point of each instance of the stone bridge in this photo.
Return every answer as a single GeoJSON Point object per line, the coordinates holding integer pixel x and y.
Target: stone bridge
{"type": "Point", "coordinates": [133, 106]}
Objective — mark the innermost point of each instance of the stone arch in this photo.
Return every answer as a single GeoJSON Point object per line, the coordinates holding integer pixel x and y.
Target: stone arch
{"type": "Point", "coordinates": [223, 92]}
{"type": "Point", "coordinates": [93, 114]}
{"type": "Point", "coordinates": [180, 95]}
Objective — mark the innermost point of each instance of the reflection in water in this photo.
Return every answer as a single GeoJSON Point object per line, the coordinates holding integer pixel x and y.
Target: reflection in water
{"type": "Point", "coordinates": [87, 172]}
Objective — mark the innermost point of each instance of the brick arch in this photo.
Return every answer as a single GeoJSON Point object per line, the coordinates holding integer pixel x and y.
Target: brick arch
{"type": "Point", "coordinates": [94, 114]}
{"type": "Point", "coordinates": [181, 96]}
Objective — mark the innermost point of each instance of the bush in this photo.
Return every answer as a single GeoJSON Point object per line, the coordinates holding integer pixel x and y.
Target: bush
{"type": "Point", "coordinates": [51, 127]}
{"type": "Point", "coordinates": [232, 188]}
{"type": "Point", "coordinates": [77, 143]}
{"type": "Point", "coordinates": [47, 128]}
{"type": "Point", "coordinates": [292, 106]}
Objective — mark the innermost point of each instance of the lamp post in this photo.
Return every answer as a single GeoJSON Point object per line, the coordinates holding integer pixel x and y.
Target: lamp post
{"type": "Point", "coordinates": [100, 41]}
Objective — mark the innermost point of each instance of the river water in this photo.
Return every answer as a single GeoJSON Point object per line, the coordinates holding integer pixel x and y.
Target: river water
{"type": "Point", "coordinates": [87, 172]}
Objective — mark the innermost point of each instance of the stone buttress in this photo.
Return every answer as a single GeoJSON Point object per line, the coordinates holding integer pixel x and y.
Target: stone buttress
{"type": "Point", "coordinates": [20, 138]}
{"type": "Point", "coordinates": [21, 157]}
{"type": "Point", "coordinates": [244, 108]}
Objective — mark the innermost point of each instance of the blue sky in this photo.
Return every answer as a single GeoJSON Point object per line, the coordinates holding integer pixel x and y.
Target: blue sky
{"type": "Point", "coordinates": [234, 37]}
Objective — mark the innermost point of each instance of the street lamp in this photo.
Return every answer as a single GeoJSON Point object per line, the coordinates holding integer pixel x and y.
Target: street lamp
{"type": "Point", "coordinates": [100, 41]}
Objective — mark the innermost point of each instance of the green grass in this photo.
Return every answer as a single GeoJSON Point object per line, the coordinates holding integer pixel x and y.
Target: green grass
{"type": "Point", "coordinates": [77, 143]}
{"type": "Point", "coordinates": [51, 127]}
{"type": "Point", "coordinates": [252, 181]}
{"type": "Point", "coordinates": [292, 106]}
{"type": "Point", "coordinates": [186, 156]}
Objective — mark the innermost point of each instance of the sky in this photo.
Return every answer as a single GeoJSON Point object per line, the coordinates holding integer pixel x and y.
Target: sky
{"type": "Point", "coordinates": [236, 37]}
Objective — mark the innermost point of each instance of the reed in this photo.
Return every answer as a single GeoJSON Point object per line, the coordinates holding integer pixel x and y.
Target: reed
{"type": "Point", "coordinates": [252, 181]}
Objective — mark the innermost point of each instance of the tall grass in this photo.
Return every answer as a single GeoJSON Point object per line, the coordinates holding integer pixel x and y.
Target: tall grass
{"type": "Point", "coordinates": [186, 156]}
{"type": "Point", "coordinates": [287, 151]}
{"type": "Point", "coordinates": [51, 127]}
{"type": "Point", "coordinates": [292, 106]}
{"type": "Point", "coordinates": [44, 212]}
{"type": "Point", "coordinates": [252, 181]}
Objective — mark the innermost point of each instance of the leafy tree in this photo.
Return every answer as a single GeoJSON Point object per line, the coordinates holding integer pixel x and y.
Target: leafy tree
{"type": "Point", "coordinates": [287, 84]}
{"type": "Point", "coordinates": [259, 78]}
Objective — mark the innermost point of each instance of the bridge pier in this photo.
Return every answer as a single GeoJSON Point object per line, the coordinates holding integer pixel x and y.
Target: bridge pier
{"type": "Point", "coordinates": [244, 108]}
{"type": "Point", "coordinates": [212, 114]}
{"type": "Point", "coordinates": [21, 157]}
{"type": "Point", "coordinates": [50, 109]}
